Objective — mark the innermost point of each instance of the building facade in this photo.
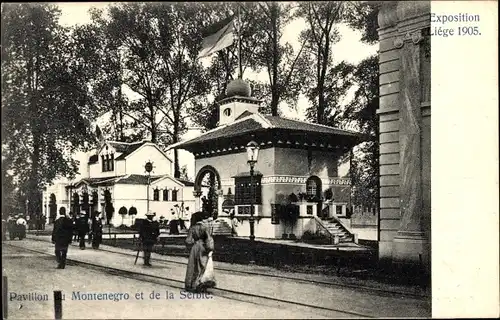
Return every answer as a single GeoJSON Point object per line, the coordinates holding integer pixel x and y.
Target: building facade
{"type": "Point", "coordinates": [114, 179]}
{"type": "Point", "coordinates": [405, 133]}
{"type": "Point", "coordinates": [295, 158]}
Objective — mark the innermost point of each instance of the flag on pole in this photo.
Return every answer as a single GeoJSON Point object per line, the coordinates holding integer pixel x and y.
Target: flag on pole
{"type": "Point", "coordinates": [218, 41]}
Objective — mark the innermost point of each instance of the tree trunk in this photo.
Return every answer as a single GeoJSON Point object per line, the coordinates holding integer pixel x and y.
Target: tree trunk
{"type": "Point", "coordinates": [177, 171]}
{"type": "Point", "coordinates": [275, 83]}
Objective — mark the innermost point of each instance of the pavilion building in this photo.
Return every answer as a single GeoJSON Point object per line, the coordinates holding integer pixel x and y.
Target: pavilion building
{"type": "Point", "coordinates": [297, 163]}
{"type": "Point", "coordinates": [114, 176]}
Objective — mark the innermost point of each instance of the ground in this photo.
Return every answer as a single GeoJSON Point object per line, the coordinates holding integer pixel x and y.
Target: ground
{"type": "Point", "coordinates": [28, 272]}
{"type": "Point", "coordinates": [36, 273]}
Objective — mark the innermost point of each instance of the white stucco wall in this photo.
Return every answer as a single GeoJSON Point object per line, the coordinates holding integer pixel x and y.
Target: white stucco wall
{"type": "Point", "coordinates": [135, 161]}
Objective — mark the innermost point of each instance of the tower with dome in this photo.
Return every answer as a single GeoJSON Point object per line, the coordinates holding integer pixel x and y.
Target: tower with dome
{"type": "Point", "coordinates": [296, 173]}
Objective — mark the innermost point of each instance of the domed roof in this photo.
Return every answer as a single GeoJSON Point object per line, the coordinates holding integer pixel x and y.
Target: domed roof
{"type": "Point", "coordinates": [238, 87]}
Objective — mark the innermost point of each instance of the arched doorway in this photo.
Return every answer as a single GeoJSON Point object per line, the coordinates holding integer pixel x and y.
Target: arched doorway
{"type": "Point", "coordinates": [208, 177]}
{"type": "Point", "coordinates": [314, 189]}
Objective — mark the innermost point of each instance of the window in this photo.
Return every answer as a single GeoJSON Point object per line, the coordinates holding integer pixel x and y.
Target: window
{"type": "Point", "coordinates": [243, 190]}
{"type": "Point", "coordinates": [165, 195]}
{"type": "Point", "coordinates": [156, 195]}
{"type": "Point", "coordinates": [311, 187]}
{"type": "Point", "coordinates": [174, 195]}
{"type": "Point", "coordinates": [111, 165]}
{"type": "Point", "coordinates": [227, 112]}
{"type": "Point", "coordinates": [108, 162]}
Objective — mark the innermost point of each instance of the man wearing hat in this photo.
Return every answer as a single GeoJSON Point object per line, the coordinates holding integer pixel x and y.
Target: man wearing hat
{"type": "Point", "coordinates": [62, 236]}
{"type": "Point", "coordinates": [82, 226]}
{"type": "Point", "coordinates": [148, 235]}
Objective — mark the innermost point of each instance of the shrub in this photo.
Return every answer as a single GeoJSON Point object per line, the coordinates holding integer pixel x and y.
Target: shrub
{"type": "Point", "coordinates": [318, 237]}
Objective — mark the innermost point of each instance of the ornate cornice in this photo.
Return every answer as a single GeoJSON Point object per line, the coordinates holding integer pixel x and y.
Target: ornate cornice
{"type": "Point", "coordinates": [415, 37]}
{"type": "Point", "coordinates": [285, 179]}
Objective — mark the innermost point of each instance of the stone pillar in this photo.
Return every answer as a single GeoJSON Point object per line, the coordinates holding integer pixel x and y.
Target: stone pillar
{"type": "Point", "coordinates": [220, 200]}
{"type": "Point", "coordinates": [197, 200]}
{"type": "Point", "coordinates": [404, 138]}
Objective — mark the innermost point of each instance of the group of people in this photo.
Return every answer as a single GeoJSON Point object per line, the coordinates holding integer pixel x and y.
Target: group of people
{"type": "Point", "coordinates": [65, 229]}
{"type": "Point", "coordinates": [15, 225]}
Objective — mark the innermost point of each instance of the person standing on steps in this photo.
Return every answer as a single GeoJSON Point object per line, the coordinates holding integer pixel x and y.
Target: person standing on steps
{"type": "Point", "coordinates": [148, 235]}
{"type": "Point", "coordinates": [61, 237]}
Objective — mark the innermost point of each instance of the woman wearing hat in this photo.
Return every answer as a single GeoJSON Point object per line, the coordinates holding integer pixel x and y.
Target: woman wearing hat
{"type": "Point", "coordinates": [201, 245]}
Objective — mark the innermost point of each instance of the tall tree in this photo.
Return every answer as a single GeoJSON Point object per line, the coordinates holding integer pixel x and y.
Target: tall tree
{"type": "Point", "coordinates": [223, 65]}
{"type": "Point", "coordinates": [320, 35]}
{"type": "Point", "coordinates": [278, 59]}
{"type": "Point", "coordinates": [362, 111]}
{"type": "Point", "coordinates": [46, 103]}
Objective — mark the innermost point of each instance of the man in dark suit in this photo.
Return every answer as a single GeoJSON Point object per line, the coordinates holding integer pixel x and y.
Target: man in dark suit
{"type": "Point", "coordinates": [96, 232]}
{"type": "Point", "coordinates": [148, 235]}
{"type": "Point", "coordinates": [61, 237]}
{"type": "Point", "coordinates": [83, 228]}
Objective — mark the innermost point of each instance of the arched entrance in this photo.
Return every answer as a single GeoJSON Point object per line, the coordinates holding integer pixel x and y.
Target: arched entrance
{"type": "Point", "coordinates": [211, 201]}
{"type": "Point", "coordinates": [314, 189]}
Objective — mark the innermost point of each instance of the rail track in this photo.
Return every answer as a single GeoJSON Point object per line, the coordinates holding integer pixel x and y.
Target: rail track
{"type": "Point", "coordinates": [366, 289]}
{"type": "Point", "coordinates": [218, 292]}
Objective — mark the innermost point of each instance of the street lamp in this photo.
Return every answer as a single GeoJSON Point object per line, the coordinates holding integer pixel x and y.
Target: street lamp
{"type": "Point", "coordinates": [148, 167]}
{"type": "Point", "coordinates": [252, 154]}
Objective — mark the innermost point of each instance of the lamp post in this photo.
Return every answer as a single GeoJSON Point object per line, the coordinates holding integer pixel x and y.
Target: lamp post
{"type": "Point", "coordinates": [148, 167]}
{"type": "Point", "coordinates": [252, 154]}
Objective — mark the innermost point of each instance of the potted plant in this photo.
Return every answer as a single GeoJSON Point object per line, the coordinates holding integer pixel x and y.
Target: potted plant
{"type": "Point", "coordinates": [328, 194]}
{"type": "Point", "coordinates": [123, 213]}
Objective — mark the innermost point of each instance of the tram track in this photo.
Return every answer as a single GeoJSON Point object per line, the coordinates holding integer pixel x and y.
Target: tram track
{"type": "Point", "coordinates": [365, 289]}
{"type": "Point", "coordinates": [219, 292]}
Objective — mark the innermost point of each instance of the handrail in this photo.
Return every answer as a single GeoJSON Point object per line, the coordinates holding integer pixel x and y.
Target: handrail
{"type": "Point", "coordinates": [337, 219]}
{"type": "Point", "coordinates": [320, 223]}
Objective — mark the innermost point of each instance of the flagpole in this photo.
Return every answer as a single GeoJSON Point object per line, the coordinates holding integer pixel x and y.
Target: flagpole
{"type": "Point", "coordinates": [240, 68]}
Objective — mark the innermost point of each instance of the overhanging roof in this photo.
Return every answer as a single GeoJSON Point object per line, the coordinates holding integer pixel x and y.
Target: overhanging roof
{"type": "Point", "coordinates": [249, 123]}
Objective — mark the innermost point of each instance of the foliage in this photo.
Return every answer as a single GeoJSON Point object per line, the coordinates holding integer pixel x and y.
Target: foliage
{"type": "Point", "coordinates": [289, 213]}
{"type": "Point", "coordinates": [328, 194]}
{"type": "Point", "coordinates": [123, 211]}
{"type": "Point", "coordinates": [184, 174]}
{"type": "Point", "coordinates": [108, 205]}
{"type": "Point", "coordinates": [365, 163]}
{"type": "Point", "coordinates": [318, 237]}
{"type": "Point", "coordinates": [46, 104]}
{"type": "Point", "coordinates": [279, 60]}
{"type": "Point", "coordinates": [132, 211]}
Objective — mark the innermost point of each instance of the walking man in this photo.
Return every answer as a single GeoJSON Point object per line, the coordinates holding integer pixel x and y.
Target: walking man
{"type": "Point", "coordinates": [83, 229]}
{"type": "Point", "coordinates": [148, 235]}
{"type": "Point", "coordinates": [61, 237]}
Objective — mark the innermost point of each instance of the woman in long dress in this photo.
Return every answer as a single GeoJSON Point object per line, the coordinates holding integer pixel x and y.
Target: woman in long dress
{"type": "Point", "coordinates": [201, 244]}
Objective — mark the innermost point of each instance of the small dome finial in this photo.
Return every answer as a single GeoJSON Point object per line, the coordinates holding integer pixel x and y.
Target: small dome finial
{"type": "Point", "coordinates": [238, 87]}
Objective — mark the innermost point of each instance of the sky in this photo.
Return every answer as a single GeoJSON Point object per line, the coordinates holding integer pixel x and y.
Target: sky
{"type": "Point", "coordinates": [349, 49]}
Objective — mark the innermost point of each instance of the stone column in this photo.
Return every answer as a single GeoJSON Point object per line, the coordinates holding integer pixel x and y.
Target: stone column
{"type": "Point", "coordinates": [197, 200]}
{"type": "Point", "coordinates": [404, 226]}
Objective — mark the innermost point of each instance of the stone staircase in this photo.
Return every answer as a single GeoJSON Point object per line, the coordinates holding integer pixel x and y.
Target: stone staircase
{"type": "Point", "coordinates": [335, 228]}
{"type": "Point", "coordinates": [221, 227]}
